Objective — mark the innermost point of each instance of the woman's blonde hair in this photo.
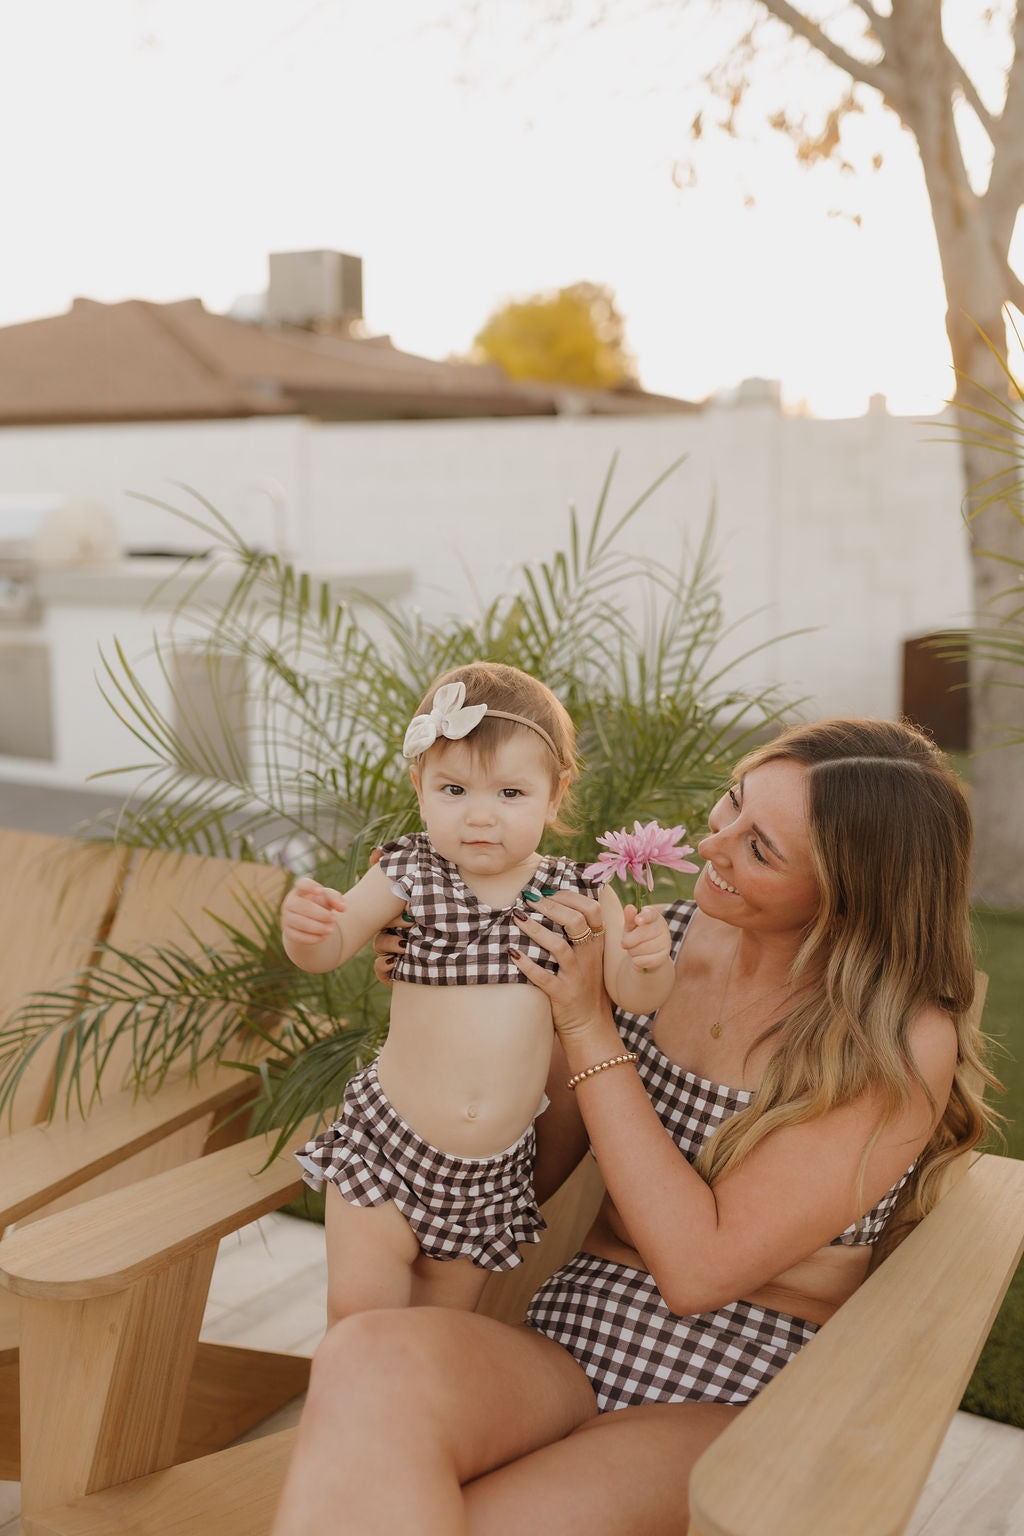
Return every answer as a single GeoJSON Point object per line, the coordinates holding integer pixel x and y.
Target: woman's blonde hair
{"type": "Point", "coordinates": [890, 838]}
{"type": "Point", "coordinates": [516, 693]}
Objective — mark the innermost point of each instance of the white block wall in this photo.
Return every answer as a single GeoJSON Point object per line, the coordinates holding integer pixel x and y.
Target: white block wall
{"type": "Point", "coordinates": [850, 527]}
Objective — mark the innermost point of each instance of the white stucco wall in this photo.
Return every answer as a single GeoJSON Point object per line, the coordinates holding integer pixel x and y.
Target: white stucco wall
{"type": "Point", "coordinates": [849, 527]}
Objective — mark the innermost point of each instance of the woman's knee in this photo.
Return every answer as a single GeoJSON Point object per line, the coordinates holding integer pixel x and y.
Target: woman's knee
{"type": "Point", "coordinates": [379, 1359]}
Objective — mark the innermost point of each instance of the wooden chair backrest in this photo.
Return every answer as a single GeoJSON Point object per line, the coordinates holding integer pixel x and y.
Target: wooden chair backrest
{"type": "Point", "coordinates": [181, 899]}
{"type": "Point", "coordinates": [57, 900]}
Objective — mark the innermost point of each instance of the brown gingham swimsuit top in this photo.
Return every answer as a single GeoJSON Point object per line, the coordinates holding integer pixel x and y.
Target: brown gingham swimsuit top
{"type": "Point", "coordinates": [691, 1108]}
{"type": "Point", "coordinates": [613, 1320]}
{"type": "Point", "coordinates": [454, 939]}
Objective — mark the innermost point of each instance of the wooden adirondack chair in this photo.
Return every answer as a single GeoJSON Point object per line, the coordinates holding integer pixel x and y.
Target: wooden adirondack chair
{"type": "Point", "coordinates": [839, 1444]}
{"type": "Point", "coordinates": [59, 900]}
{"type": "Point", "coordinates": [113, 1293]}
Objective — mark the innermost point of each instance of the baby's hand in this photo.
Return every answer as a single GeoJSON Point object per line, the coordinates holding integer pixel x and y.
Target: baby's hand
{"type": "Point", "coordinates": [307, 912]}
{"type": "Point", "coordinates": [646, 938]}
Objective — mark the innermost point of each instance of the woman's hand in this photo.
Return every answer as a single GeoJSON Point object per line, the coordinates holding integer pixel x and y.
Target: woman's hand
{"type": "Point", "coordinates": [579, 1002]}
{"type": "Point", "coordinates": [387, 947]}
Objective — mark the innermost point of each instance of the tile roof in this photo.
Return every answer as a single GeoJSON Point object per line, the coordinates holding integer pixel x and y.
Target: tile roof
{"type": "Point", "coordinates": [140, 361]}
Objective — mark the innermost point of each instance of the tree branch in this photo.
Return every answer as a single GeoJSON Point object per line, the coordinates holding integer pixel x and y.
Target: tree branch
{"type": "Point", "coordinates": [879, 24]}
{"type": "Point", "coordinates": [878, 76]}
{"type": "Point", "coordinates": [970, 90]}
{"type": "Point", "coordinates": [1014, 286]}
{"type": "Point", "coordinates": [1007, 135]}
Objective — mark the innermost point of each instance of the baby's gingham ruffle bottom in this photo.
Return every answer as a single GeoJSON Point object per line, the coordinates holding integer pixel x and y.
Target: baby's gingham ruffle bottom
{"type": "Point", "coordinates": [480, 1208]}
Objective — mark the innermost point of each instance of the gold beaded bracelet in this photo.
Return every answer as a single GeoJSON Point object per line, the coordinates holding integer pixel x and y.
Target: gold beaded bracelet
{"type": "Point", "coordinates": [602, 1066]}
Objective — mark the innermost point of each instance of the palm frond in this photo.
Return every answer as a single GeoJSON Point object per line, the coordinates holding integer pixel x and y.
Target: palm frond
{"type": "Point", "coordinates": [638, 649]}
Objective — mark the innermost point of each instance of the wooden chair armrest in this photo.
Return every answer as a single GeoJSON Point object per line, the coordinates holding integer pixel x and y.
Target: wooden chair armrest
{"type": "Point", "coordinates": [114, 1241]}
{"type": "Point", "coordinates": [42, 1162]}
{"type": "Point", "coordinates": [107, 1379]}
{"type": "Point", "coordinates": [843, 1439]}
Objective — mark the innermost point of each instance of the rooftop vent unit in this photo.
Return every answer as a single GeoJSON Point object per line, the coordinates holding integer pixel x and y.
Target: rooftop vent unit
{"type": "Point", "coordinates": [315, 289]}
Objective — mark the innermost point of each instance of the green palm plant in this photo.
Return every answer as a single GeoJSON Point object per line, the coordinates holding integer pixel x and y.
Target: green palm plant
{"type": "Point", "coordinates": [634, 648]}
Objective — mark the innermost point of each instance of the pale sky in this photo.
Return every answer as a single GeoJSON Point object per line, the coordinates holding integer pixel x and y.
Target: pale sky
{"type": "Point", "coordinates": [160, 149]}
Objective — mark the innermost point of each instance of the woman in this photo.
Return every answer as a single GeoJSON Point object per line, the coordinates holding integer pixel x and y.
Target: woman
{"type": "Point", "coordinates": [825, 974]}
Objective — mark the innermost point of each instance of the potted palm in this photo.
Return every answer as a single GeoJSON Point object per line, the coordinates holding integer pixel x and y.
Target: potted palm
{"type": "Point", "coordinates": [634, 648]}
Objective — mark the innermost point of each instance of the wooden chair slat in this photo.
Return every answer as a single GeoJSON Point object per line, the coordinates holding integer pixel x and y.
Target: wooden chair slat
{"type": "Point", "coordinates": [57, 899]}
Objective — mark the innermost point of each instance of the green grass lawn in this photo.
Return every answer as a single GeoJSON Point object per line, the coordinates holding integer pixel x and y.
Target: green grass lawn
{"type": "Point", "coordinates": [997, 1387]}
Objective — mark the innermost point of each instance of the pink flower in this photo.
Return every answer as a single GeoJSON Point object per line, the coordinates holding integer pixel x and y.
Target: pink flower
{"type": "Point", "coordinates": [634, 854]}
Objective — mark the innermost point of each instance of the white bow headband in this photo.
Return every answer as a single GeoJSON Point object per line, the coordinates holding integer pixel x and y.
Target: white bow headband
{"type": "Point", "coordinates": [452, 718]}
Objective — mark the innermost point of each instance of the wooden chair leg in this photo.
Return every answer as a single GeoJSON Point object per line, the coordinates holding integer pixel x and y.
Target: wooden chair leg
{"type": "Point", "coordinates": [232, 1390]}
{"type": "Point", "coordinates": [124, 1362]}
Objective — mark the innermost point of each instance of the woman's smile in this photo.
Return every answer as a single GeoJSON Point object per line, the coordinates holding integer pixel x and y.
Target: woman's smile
{"type": "Point", "coordinates": [717, 881]}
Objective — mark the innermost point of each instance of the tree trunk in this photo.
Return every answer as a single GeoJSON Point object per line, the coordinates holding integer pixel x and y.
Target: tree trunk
{"type": "Point", "coordinates": [996, 766]}
{"type": "Point", "coordinates": [972, 234]}
{"type": "Point", "coordinates": [996, 687]}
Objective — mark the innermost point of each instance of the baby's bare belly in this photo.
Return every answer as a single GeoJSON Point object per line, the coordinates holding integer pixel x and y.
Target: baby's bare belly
{"type": "Point", "coordinates": [466, 1066]}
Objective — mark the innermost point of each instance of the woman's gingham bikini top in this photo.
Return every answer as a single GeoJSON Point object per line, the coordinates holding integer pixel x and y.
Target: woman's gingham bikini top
{"type": "Point", "coordinates": [691, 1108]}
{"type": "Point", "coordinates": [454, 940]}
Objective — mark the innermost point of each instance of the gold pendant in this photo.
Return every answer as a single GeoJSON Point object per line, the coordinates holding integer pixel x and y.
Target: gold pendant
{"type": "Point", "coordinates": [716, 1029]}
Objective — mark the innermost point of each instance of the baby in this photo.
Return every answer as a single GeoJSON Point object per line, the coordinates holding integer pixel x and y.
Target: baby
{"type": "Point", "coordinates": [432, 1160]}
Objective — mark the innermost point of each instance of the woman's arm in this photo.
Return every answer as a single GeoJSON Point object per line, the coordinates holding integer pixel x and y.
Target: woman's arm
{"type": "Point", "coordinates": [561, 1133]}
{"type": "Point", "coordinates": [799, 1187]}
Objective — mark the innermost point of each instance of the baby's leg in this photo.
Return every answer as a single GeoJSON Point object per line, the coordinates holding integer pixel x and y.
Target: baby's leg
{"type": "Point", "coordinates": [447, 1283]}
{"type": "Point", "coordinates": [370, 1256]}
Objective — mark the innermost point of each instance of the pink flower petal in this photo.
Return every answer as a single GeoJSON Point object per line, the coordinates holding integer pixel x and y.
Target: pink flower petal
{"type": "Point", "coordinates": [634, 854]}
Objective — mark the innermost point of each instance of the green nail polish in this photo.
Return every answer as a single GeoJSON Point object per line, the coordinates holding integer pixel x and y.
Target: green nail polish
{"type": "Point", "coordinates": [405, 918]}
{"type": "Point", "coordinates": [530, 896]}
{"type": "Point", "coordinates": [549, 890]}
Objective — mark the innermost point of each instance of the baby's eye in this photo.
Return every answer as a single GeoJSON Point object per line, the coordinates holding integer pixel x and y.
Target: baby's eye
{"type": "Point", "coordinates": [734, 799]}
{"type": "Point", "coordinates": [511, 794]}
{"type": "Point", "coordinates": [452, 789]}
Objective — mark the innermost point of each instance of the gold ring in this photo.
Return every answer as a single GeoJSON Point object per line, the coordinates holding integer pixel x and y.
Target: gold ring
{"type": "Point", "coordinates": [582, 938]}
{"type": "Point", "coordinates": [597, 932]}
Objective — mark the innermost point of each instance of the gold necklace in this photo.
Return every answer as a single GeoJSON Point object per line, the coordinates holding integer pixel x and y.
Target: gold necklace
{"type": "Point", "coordinates": [716, 1028]}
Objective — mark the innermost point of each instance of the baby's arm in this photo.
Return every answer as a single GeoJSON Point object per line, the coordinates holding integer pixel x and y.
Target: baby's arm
{"type": "Point", "coordinates": [322, 928]}
{"type": "Point", "coordinates": [638, 969]}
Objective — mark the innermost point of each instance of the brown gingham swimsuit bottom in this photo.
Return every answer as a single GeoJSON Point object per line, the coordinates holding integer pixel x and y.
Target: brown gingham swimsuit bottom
{"type": "Point", "coordinates": [479, 1208]}
{"type": "Point", "coordinates": [612, 1319]}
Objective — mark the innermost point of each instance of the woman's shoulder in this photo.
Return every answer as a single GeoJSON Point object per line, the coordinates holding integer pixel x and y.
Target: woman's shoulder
{"type": "Point", "coordinates": [934, 1045]}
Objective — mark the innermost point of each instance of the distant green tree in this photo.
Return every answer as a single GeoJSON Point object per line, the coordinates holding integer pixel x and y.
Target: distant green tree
{"type": "Point", "coordinates": [574, 335]}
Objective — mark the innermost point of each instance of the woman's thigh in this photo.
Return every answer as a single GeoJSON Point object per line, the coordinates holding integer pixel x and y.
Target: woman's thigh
{"type": "Point", "coordinates": [480, 1391]}
{"type": "Point", "coordinates": [625, 1473]}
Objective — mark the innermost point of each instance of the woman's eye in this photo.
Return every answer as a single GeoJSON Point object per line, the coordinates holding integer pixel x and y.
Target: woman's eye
{"type": "Point", "coordinates": [755, 850]}
{"type": "Point", "coordinates": [734, 800]}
